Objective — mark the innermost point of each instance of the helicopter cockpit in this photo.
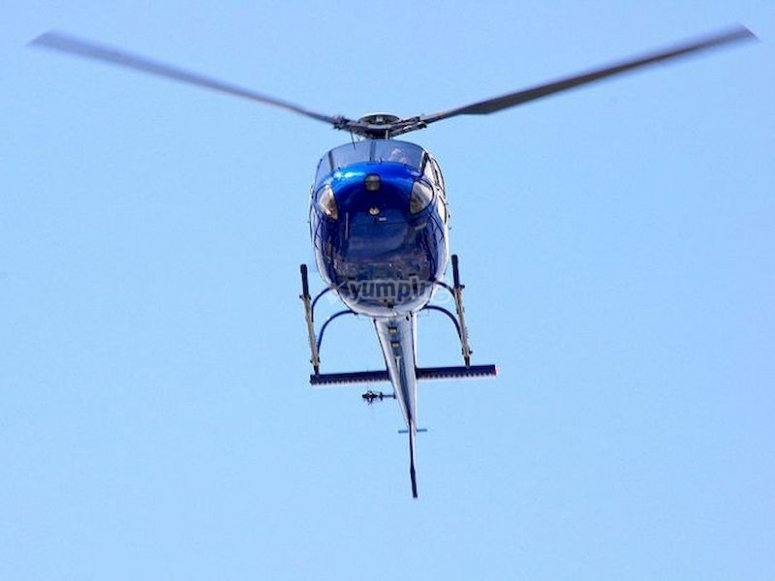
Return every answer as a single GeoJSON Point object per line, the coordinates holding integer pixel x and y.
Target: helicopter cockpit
{"type": "Point", "coordinates": [373, 151]}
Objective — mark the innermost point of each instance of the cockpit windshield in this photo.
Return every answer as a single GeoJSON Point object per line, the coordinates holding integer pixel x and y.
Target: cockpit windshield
{"type": "Point", "coordinates": [373, 150]}
{"type": "Point", "coordinates": [350, 153]}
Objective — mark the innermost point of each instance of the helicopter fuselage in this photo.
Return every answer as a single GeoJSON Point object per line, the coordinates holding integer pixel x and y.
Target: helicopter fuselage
{"type": "Point", "coordinates": [378, 220]}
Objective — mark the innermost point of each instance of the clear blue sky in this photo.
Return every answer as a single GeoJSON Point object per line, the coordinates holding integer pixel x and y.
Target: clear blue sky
{"type": "Point", "coordinates": [617, 243]}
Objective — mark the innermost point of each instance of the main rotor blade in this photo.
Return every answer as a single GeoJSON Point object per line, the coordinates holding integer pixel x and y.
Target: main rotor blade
{"type": "Point", "coordinates": [735, 34]}
{"type": "Point", "coordinates": [87, 49]}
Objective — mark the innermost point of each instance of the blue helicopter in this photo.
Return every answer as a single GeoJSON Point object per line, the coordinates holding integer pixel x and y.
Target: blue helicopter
{"type": "Point", "coordinates": [379, 219]}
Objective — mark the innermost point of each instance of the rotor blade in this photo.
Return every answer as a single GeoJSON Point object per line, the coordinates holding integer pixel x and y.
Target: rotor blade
{"type": "Point", "coordinates": [71, 45]}
{"type": "Point", "coordinates": [735, 34]}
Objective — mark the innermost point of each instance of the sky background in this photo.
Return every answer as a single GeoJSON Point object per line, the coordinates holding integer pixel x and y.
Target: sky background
{"type": "Point", "coordinates": [618, 249]}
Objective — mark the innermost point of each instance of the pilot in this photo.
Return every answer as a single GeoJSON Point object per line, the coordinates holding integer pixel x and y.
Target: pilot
{"type": "Point", "coordinates": [399, 155]}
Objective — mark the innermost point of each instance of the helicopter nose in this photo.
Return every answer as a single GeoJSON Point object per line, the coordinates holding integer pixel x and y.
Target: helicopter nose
{"type": "Point", "coordinates": [373, 196]}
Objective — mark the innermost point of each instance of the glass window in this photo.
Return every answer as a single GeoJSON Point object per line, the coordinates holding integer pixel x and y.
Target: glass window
{"type": "Point", "coordinates": [398, 151]}
{"type": "Point", "coordinates": [437, 171]}
{"type": "Point", "coordinates": [378, 150]}
{"type": "Point", "coordinates": [350, 153]}
{"type": "Point", "coordinates": [427, 171]}
{"type": "Point", "coordinates": [324, 168]}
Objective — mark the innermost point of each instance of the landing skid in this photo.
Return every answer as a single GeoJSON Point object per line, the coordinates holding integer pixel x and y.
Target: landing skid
{"type": "Point", "coordinates": [457, 319]}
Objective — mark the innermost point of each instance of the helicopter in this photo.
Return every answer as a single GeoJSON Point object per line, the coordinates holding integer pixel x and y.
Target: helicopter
{"type": "Point", "coordinates": [379, 218]}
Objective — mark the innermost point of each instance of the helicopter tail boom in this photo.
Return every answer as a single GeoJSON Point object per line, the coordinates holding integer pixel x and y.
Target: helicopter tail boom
{"type": "Point", "coordinates": [412, 472]}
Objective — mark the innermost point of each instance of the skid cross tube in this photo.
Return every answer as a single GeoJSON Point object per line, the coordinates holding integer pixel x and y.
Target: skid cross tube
{"type": "Point", "coordinates": [331, 318]}
{"type": "Point", "coordinates": [318, 297]}
{"type": "Point", "coordinates": [446, 312]}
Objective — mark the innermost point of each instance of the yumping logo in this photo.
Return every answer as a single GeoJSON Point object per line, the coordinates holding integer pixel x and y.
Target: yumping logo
{"type": "Point", "coordinates": [387, 291]}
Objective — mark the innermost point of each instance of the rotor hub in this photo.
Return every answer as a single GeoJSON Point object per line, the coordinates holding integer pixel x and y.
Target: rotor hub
{"type": "Point", "coordinates": [379, 119]}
